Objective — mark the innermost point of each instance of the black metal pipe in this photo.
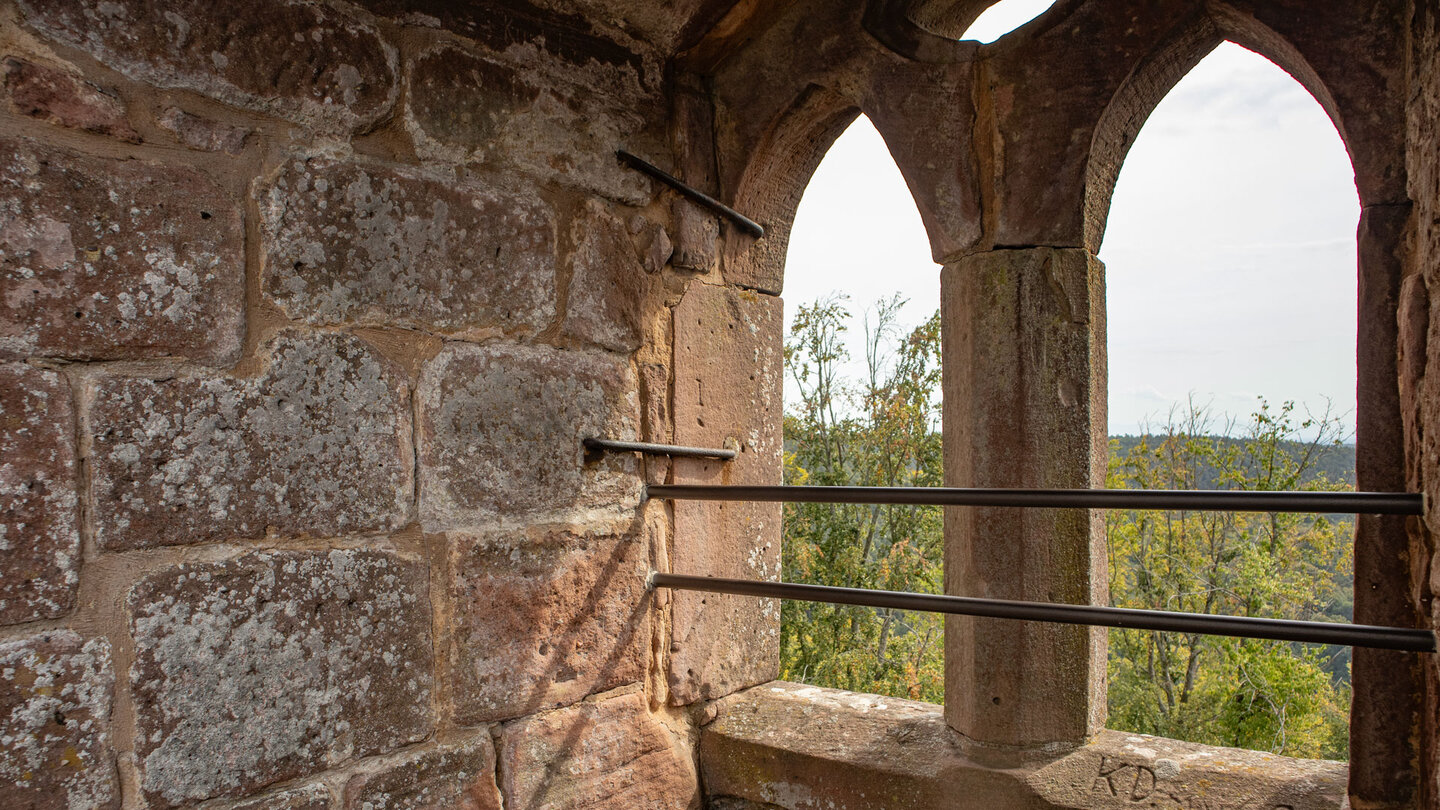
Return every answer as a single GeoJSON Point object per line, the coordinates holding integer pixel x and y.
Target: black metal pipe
{"type": "Point", "coordinates": [746, 224]}
{"type": "Point", "coordinates": [611, 445]}
{"type": "Point", "coordinates": [1349, 635]}
{"type": "Point", "coordinates": [1377, 503]}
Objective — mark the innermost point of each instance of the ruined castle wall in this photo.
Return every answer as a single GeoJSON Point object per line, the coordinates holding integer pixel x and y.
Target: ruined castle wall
{"type": "Point", "coordinates": [306, 305]}
{"type": "Point", "coordinates": [305, 308]}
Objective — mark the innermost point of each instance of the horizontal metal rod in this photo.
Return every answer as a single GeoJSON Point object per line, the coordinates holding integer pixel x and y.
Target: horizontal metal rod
{"type": "Point", "coordinates": [1377, 503]}
{"type": "Point", "coordinates": [1349, 635]}
{"type": "Point", "coordinates": [610, 445]}
{"type": "Point", "coordinates": [746, 224]}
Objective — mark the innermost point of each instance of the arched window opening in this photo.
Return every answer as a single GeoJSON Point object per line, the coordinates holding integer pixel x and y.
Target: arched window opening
{"type": "Point", "coordinates": [1231, 287]}
{"type": "Point", "coordinates": [862, 398]}
{"type": "Point", "coordinates": [1004, 17]}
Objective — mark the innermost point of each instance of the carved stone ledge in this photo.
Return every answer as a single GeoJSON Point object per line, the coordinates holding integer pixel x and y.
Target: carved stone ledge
{"type": "Point", "coordinates": [790, 746]}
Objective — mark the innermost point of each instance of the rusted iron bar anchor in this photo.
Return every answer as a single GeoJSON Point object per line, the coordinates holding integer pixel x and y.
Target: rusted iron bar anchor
{"type": "Point", "coordinates": [648, 448]}
{"type": "Point", "coordinates": [1346, 635]}
{"type": "Point", "coordinates": [745, 223]}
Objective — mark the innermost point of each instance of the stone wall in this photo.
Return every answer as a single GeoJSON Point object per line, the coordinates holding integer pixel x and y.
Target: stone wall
{"type": "Point", "coordinates": [1419, 350]}
{"type": "Point", "coordinates": [305, 308]}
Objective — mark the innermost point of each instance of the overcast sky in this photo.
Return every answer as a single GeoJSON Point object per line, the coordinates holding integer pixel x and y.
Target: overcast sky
{"type": "Point", "coordinates": [1230, 248]}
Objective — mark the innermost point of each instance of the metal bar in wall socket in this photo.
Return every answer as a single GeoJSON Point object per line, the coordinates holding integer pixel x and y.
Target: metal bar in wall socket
{"type": "Point", "coordinates": [1347, 635]}
{"type": "Point", "coordinates": [745, 223]}
{"type": "Point", "coordinates": [612, 446]}
{"type": "Point", "coordinates": [1376, 503]}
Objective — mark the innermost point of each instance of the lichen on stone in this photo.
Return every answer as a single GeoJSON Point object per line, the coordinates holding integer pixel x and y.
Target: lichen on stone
{"type": "Point", "coordinates": [39, 534]}
{"type": "Point", "coordinates": [360, 243]}
{"type": "Point", "coordinates": [502, 428]}
{"type": "Point", "coordinates": [54, 723]}
{"type": "Point", "coordinates": [276, 665]}
{"type": "Point", "coordinates": [319, 444]}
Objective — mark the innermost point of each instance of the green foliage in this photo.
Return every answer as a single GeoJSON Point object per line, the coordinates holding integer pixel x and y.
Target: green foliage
{"type": "Point", "coordinates": [883, 430]}
{"type": "Point", "coordinates": [1290, 699]}
{"type": "Point", "coordinates": [880, 431]}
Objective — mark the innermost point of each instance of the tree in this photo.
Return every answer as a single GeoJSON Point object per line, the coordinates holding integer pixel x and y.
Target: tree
{"type": "Point", "coordinates": [879, 431]}
{"type": "Point", "coordinates": [1238, 692]}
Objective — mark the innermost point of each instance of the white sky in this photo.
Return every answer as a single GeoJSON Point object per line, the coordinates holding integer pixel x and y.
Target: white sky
{"type": "Point", "coordinates": [1230, 246]}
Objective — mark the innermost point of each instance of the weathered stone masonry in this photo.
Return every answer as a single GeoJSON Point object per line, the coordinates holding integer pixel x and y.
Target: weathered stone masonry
{"type": "Point", "coordinates": [305, 306]}
{"type": "Point", "coordinates": [304, 310]}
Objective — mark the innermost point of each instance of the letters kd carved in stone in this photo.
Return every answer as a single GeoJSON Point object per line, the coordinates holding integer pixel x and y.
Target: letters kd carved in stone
{"type": "Point", "coordinates": [1137, 784]}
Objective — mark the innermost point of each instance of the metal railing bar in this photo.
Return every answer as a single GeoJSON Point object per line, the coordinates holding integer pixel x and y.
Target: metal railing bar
{"type": "Point", "coordinates": [1377, 503]}
{"type": "Point", "coordinates": [1348, 635]}
{"type": "Point", "coordinates": [745, 223]}
{"type": "Point", "coordinates": [614, 446]}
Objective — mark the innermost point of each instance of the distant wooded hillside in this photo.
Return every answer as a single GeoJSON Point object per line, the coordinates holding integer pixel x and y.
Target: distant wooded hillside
{"type": "Point", "coordinates": [1335, 463]}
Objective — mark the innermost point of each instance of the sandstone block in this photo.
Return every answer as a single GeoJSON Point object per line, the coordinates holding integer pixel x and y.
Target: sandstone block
{"type": "Point", "coordinates": [202, 133]}
{"type": "Point", "coordinates": [732, 803]}
{"type": "Point", "coordinates": [311, 797]}
{"type": "Point", "coordinates": [603, 754]}
{"type": "Point", "coordinates": [501, 427]}
{"type": "Point", "coordinates": [936, 147]}
{"type": "Point", "coordinates": [728, 370]}
{"type": "Point", "coordinates": [543, 618]}
{"type": "Point", "coordinates": [39, 541]}
{"type": "Point", "coordinates": [1024, 383]}
{"type": "Point", "coordinates": [652, 242]}
{"type": "Point", "coordinates": [466, 120]}
{"type": "Point", "coordinates": [655, 394]}
{"type": "Point", "coordinates": [276, 665]}
{"type": "Point", "coordinates": [697, 231]}
{"type": "Point", "coordinates": [314, 63]}
{"type": "Point", "coordinates": [453, 777]}
{"type": "Point", "coordinates": [608, 285]}
{"type": "Point", "coordinates": [579, 31]}
{"type": "Point", "coordinates": [696, 228]}
{"type": "Point", "coordinates": [560, 35]}
{"type": "Point", "coordinates": [1122, 770]}
{"type": "Point", "coordinates": [552, 121]}
{"type": "Point", "coordinates": [655, 418]}
{"type": "Point", "coordinates": [110, 259]}
{"type": "Point", "coordinates": [318, 444]}
{"type": "Point", "coordinates": [59, 98]}
{"type": "Point", "coordinates": [350, 243]}
{"type": "Point", "coordinates": [795, 746]}
{"type": "Point", "coordinates": [55, 749]}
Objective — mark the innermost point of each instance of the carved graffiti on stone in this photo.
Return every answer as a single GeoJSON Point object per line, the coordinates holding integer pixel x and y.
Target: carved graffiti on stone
{"type": "Point", "coordinates": [1120, 778]}
{"type": "Point", "coordinates": [1137, 784]}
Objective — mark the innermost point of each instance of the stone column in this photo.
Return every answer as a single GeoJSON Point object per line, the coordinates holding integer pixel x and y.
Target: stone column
{"type": "Point", "coordinates": [1024, 358]}
{"type": "Point", "coordinates": [1385, 712]}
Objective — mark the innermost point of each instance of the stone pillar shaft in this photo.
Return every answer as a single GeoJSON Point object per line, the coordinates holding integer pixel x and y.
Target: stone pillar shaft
{"type": "Point", "coordinates": [1024, 359]}
{"type": "Point", "coordinates": [1385, 712]}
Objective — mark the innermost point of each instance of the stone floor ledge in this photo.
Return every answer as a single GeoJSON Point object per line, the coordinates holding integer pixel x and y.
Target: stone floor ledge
{"type": "Point", "coordinates": [797, 747]}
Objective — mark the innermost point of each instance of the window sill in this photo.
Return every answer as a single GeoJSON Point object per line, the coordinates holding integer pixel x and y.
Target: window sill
{"type": "Point", "coordinates": [799, 747]}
